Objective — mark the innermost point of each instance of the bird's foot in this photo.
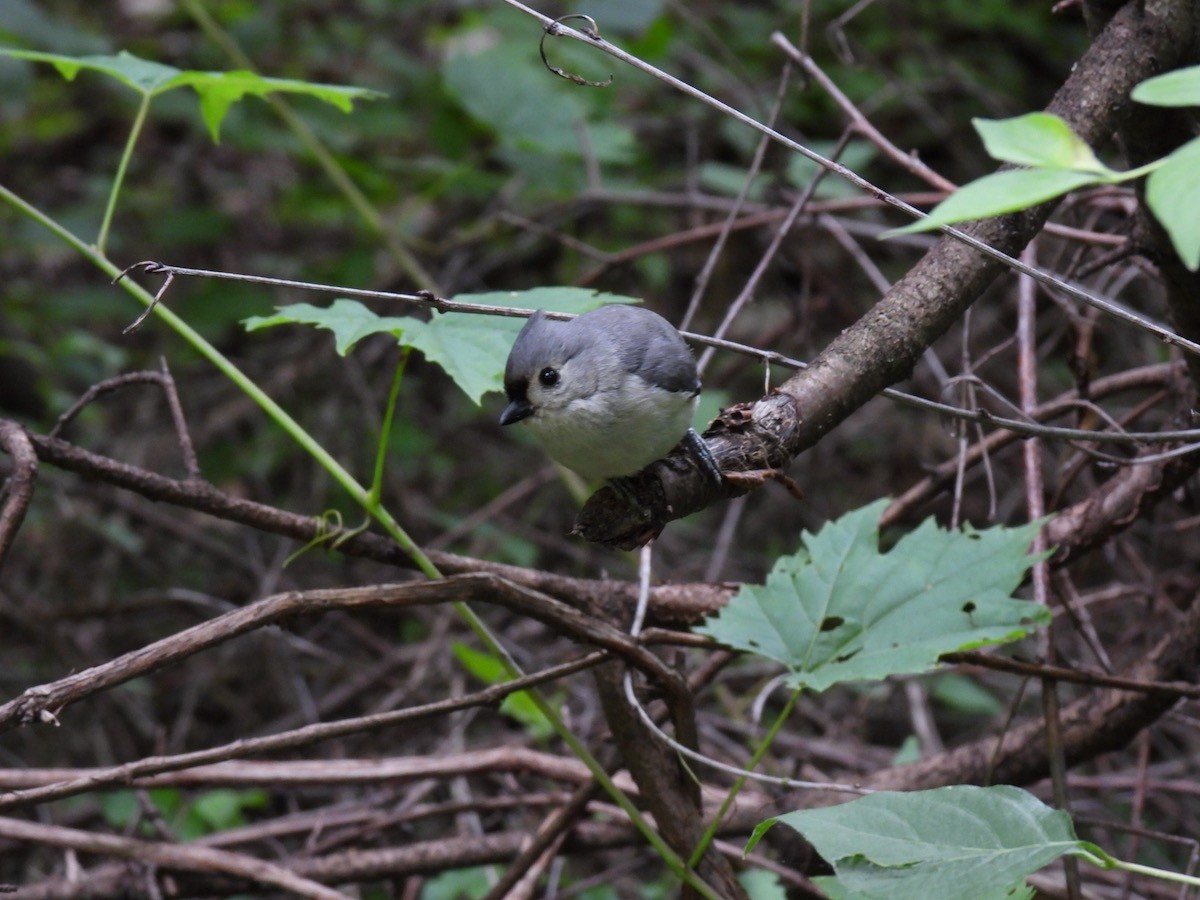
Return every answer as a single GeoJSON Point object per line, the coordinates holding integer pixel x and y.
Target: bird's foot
{"type": "Point", "coordinates": [698, 448]}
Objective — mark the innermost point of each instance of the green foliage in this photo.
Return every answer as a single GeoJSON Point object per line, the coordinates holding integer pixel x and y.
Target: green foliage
{"type": "Point", "coordinates": [219, 810]}
{"type": "Point", "coordinates": [457, 884]}
{"type": "Point", "coordinates": [952, 842]}
{"type": "Point", "coordinates": [120, 808]}
{"type": "Point", "coordinates": [1000, 193]}
{"type": "Point", "coordinates": [1173, 192]}
{"type": "Point", "coordinates": [349, 321]}
{"type": "Point", "coordinates": [835, 890]}
{"type": "Point", "coordinates": [839, 610]}
{"type": "Point", "coordinates": [471, 348]}
{"type": "Point", "coordinates": [209, 813]}
{"type": "Point", "coordinates": [218, 91]}
{"type": "Point", "coordinates": [762, 885]}
{"type": "Point", "coordinates": [1062, 162]}
{"type": "Point", "coordinates": [1038, 139]}
{"type": "Point", "coordinates": [518, 705]}
{"type": "Point", "coordinates": [964, 695]}
{"type": "Point", "coordinates": [856, 155]}
{"type": "Point", "coordinates": [1178, 88]}
{"type": "Point", "coordinates": [542, 125]}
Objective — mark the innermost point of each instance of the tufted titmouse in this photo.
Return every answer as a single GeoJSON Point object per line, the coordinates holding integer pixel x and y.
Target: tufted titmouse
{"type": "Point", "coordinates": [606, 393]}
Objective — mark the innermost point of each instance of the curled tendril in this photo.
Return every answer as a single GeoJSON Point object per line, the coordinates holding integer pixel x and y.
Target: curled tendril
{"type": "Point", "coordinates": [589, 30]}
{"type": "Point", "coordinates": [152, 268]}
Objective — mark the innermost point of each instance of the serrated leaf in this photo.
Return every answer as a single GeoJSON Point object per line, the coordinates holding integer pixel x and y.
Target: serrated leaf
{"type": "Point", "coordinates": [839, 610]}
{"type": "Point", "coordinates": [999, 193]}
{"type": "Point", "coordinates": [1178, 88]}
{"type": "Point", "coordinates": [958, 841]}
{"type": "Point", "coordinates": [1173, 195]}
{"type": "Point", "coordinates": [472, 349]}
{"type": "Point", "coordinates": [143, 75]}
{"type": "Point", "coordinates": [349, 321]}
{"type": "Point", "coordinates": [1038, 139]}
{"type": "Point", "coordinates": [218, 91]}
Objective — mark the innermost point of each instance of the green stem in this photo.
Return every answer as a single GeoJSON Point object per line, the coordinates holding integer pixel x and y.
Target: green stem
{"type": "Point", "coordinates": [385, 432]}
{"type": "Point", "coordinates": [1164, 874]}
{"type": "Point", "coordinates": [372, 505]}
{"type": "Point", "coordinates": [711, 832]}
{"type": "Point", "coordinates": [135, 132]}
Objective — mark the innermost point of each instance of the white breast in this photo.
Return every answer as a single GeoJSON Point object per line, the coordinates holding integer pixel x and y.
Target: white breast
{"type": "Point", "coordinates": [617, 432]}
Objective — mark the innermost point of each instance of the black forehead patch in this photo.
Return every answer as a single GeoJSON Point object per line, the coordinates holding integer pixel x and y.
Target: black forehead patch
{"type": "Point", "coordinates": [516, 388]}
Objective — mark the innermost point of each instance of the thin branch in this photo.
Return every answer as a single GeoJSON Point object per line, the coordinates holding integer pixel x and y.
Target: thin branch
{"type": "Point", "coordinates": [17, 490]}
{"type": "Point", "coordinates": [35, 702]}
{"type": "Point", "coordinates": [193, 858]}
{"type": "Point", "coordinates": [287, 740]}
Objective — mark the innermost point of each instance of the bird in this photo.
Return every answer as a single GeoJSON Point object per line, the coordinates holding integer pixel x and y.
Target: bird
{"type": "Point", "coordinates": [606, 393]}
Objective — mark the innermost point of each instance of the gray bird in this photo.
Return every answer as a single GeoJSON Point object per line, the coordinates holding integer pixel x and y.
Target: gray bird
{"type": "Point", "coordinates": [606, 393]}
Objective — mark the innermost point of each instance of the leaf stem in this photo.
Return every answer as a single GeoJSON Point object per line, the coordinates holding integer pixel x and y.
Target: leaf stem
{"type": "Point", "coordinates": [135, 132]}
{"type": "Point", "coordinates": [385, 432]}
{"type": "Point", "coordinates": [1164, 874]}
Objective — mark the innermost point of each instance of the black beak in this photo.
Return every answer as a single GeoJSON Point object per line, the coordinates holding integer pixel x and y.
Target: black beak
{"type": "Point", "coordinates": [516, 411]}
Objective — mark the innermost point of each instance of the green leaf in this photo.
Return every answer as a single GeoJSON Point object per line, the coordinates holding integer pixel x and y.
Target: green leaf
{"type": "Point", "coordinates": [908, 752]}
{"type": "Point", "coordinates": [760, 884]}
{"type": "Point", "coordinates": [218, 91]}
{"type": "Point", "coordinates": [471, 348]}
{"type": "Point", "coordinates": [1173, 195]}
{"type": "Point", "coordinates": [518, 705]}
{"type": "Point", "coordinates": [835, 890]}
{"type": "Point", "coordinates": [1178, 88]}
{"type": "Point", "coordinates": [839, 610]}
{"type": "Point", "coordinates": [998, 193]}
{"type": "Point", "coordinates": [120, 808]}
{"type": "Point", "coordinates": [964, 695]}
{"type": "Point", "coordinates": [222, 809]}
{"type": "Point", "coordinates": [143, 75]}
{"type": "Point", "coordinates": [455, 884]}
{"type": "Point", "coordinates": [482, 665]}
{"type": "Point", "coordinates": [349, 321]}
{"type": "Point", "coordinates": [1041, 140]}
{"type": "Point", "coordinates": [959, 841]}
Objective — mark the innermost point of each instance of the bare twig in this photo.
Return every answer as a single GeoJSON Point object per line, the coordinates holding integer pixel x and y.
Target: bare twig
{"type": "Point", "coordinates": [299, 737]}
{"type": "Point", "coordinates": [481, 587]}
{"type": "Point", "coordinates": [17, 490]}
{"type": "Point", "coordinates": [170, 856]}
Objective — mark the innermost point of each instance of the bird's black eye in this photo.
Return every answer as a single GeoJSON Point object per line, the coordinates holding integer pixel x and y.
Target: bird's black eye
{"type": "Point", "coordinates": [548, 377]}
